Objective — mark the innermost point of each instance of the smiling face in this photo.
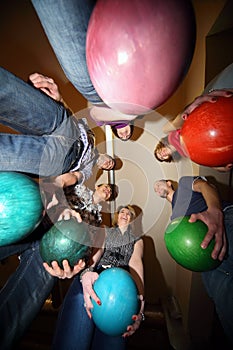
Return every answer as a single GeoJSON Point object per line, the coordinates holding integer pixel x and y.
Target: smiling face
{"type": "Point", "coordinates": [161, 188]}
{"type": "Point", "coordinates": [124, 217]}
{"type": "Point", "coordinates": [124, 133]}
{"type": "Point", "coordinates": [104, 192]}
{"type": "Point", "coordinates": [164, 153]}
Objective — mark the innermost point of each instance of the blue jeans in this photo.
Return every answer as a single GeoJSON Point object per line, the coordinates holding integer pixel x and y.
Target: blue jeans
{"type": "Point", "coordinates": [65, 23]}
{"type": "Point", "coordinates": [75, 331]}
{"type": "Point", "coordinates": [23, 294]}
{"type": "Point", "coordinates": [49, 140]}
{"type": "Point", "coordinates": [219, 282]}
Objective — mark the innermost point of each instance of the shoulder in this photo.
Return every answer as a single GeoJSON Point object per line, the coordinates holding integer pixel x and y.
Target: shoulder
{"type": "Point", "coordinates": [197, 180]}
{"type": "Point", "coordinates": [110, 230]}
{"type": "Point", "coordinates": [189, 181]}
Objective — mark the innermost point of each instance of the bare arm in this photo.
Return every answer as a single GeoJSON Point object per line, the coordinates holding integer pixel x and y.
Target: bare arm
{"type": "Point", "coordinates": [137, 271]}
{"type": "Point", "coordinates": [88, 278]}
{"type": "Point", "coordinates": [212, 217]}
{"type": "Point", "coordinates": [136, 266]}
{"type": "Point", "coordinates": [211, 97]}
{"type": "Point", "coordinates": [68, 179]}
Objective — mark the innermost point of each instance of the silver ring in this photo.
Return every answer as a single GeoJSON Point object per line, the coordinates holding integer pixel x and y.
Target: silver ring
{"type": "Point", "coordinates": [85, 305]}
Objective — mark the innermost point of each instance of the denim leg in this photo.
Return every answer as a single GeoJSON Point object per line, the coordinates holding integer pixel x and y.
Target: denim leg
{"type": "Point", "coordinates": [105, 342]}
{"type": "Point", "coordinates": [23, 296]}
{"type": "Point", "coordinates": [219, 282]}
{"type": "Point", "coordinates": [12, 249]}
{"type": "Point", "coordinates": [26, 109]}
{"type": "Point", "coordinates": [44, 156]}
{"type": "Point", "coordinates": [46, 146]}
{"type": "Point", "coordinates": [79, 332]}
{"type": "Point", "coordinates": [74, 328]}
{"type": "Point", "coordinates": [65, 23]}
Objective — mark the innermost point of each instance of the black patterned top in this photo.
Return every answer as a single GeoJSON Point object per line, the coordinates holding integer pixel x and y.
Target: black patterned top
{"type": "Point", "coordinates": [118, 247]}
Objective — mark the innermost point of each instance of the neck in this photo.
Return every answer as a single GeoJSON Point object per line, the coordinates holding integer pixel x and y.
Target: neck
{"type": "Point", "coordinates": [96, 198]}
{"type": "Point", "coordinates": [123, 228]}
{"type": "Point", "coordinates": [172, 148]}
{"type": "Point", "coordinates": [170, 195]}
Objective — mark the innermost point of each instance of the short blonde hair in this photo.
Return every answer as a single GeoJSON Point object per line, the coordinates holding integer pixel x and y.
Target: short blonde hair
{"type": "Point", "coordinates": [131, 210]}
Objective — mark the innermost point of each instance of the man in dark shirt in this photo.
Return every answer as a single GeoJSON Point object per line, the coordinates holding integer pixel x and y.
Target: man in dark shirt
{"type": "Point", "coordinates": [197, 198]}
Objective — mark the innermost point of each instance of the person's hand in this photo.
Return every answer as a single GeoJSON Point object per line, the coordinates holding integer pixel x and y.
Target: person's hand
{"type": "Point", "coordinates": [213, 218]}
{"type": "Point", "coordinates": [47, 85]}
{"type": "Point", "coordinates": [67, 271]}
{"type": "Point", "coordinates": [52, 203]}
{"type": "Point", "coordinates": [131, 329]}
{"type": "Point", "coordinates": [209, 97]}
{"type": "Point", "coordinates": [88, 280]}
{"type": "Point", "coordinates": [68, 213]}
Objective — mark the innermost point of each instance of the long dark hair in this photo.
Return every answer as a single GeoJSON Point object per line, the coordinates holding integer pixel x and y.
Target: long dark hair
{"type": "Point", "coordinates": [88, 215]}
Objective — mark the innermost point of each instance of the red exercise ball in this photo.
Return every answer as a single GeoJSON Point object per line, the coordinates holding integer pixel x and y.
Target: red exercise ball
{"type": "Point", "coordinates": [207, 134]}
{"type": "Point", "coordinates": [138, 52]}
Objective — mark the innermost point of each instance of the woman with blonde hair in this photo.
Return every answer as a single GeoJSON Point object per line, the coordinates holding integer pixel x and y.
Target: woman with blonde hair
{"type": "Point", "coordinates": [121, 248]}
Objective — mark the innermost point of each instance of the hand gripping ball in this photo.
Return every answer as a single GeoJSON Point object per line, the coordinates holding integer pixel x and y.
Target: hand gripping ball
{"type": "Point", "coordinates": [119, 301]}
{"type": "Point", "coordinates": [207, 133]}
{"type": "Point", "coordinates": [183, 241]}
{"type": "Point", "coordinates": [138, 52]}
{"type": "Point", "coordinates": [67, 239]}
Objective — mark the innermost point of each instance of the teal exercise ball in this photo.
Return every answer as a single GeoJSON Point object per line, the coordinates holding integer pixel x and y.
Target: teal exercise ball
{"type": "Point", "coordinates": [183, 241]}
{"type": "Point", "coordinates": [119, 301]}
{"type": "Point", "coordinates": [65, 240]}
{"type": "Point", "coordinates": [21, 207]}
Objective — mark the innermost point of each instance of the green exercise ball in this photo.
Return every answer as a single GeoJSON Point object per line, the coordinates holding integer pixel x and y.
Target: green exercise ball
{"type": "Point", "coordinates": [65, 240]}
{"type": "Point", "coordinates": [183, 241]}
{"type": "Point", "coordinates": [21, 207]}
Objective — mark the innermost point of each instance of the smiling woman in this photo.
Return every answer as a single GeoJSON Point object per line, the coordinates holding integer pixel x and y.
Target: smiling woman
{"type": "Point", "coordinates": [122, 249]}
{"type": "Point", "coordinates": [123, 217]}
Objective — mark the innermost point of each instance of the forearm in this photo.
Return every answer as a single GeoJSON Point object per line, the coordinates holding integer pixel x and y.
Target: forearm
{"type": "Point", "coordinates": [209, 193]}
{"type": "Point", "coordinates": [212, 217]}
{"type": "Point", "coordinates": [136, 266]}
{"type": "Point", "coordinates": [137, 272]}
{"type": "Point", "coordinates": [70, 111]}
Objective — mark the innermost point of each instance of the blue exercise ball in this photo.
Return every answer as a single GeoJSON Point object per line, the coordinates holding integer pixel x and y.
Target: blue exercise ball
{"type": "Point", "coordinates": [21, 207]}
{"type": "Point", "coordinates": [119, 301]}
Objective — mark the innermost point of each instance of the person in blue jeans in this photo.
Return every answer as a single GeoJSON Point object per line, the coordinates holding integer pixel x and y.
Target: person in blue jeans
{"type": "Point", "coordinates": [198, 198]}
{"type": "Point", "coordinates": [65, 23]}
{"type": "Point", "coordinates": [122, 248]}
{"type": "Point", "coordinates": [28, 287]}
{"type": "Point", "coordinates": [50, 141]}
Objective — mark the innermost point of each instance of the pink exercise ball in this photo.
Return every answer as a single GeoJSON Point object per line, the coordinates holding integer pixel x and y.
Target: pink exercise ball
{"type": "Point", "coordinates": [138, 52]}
